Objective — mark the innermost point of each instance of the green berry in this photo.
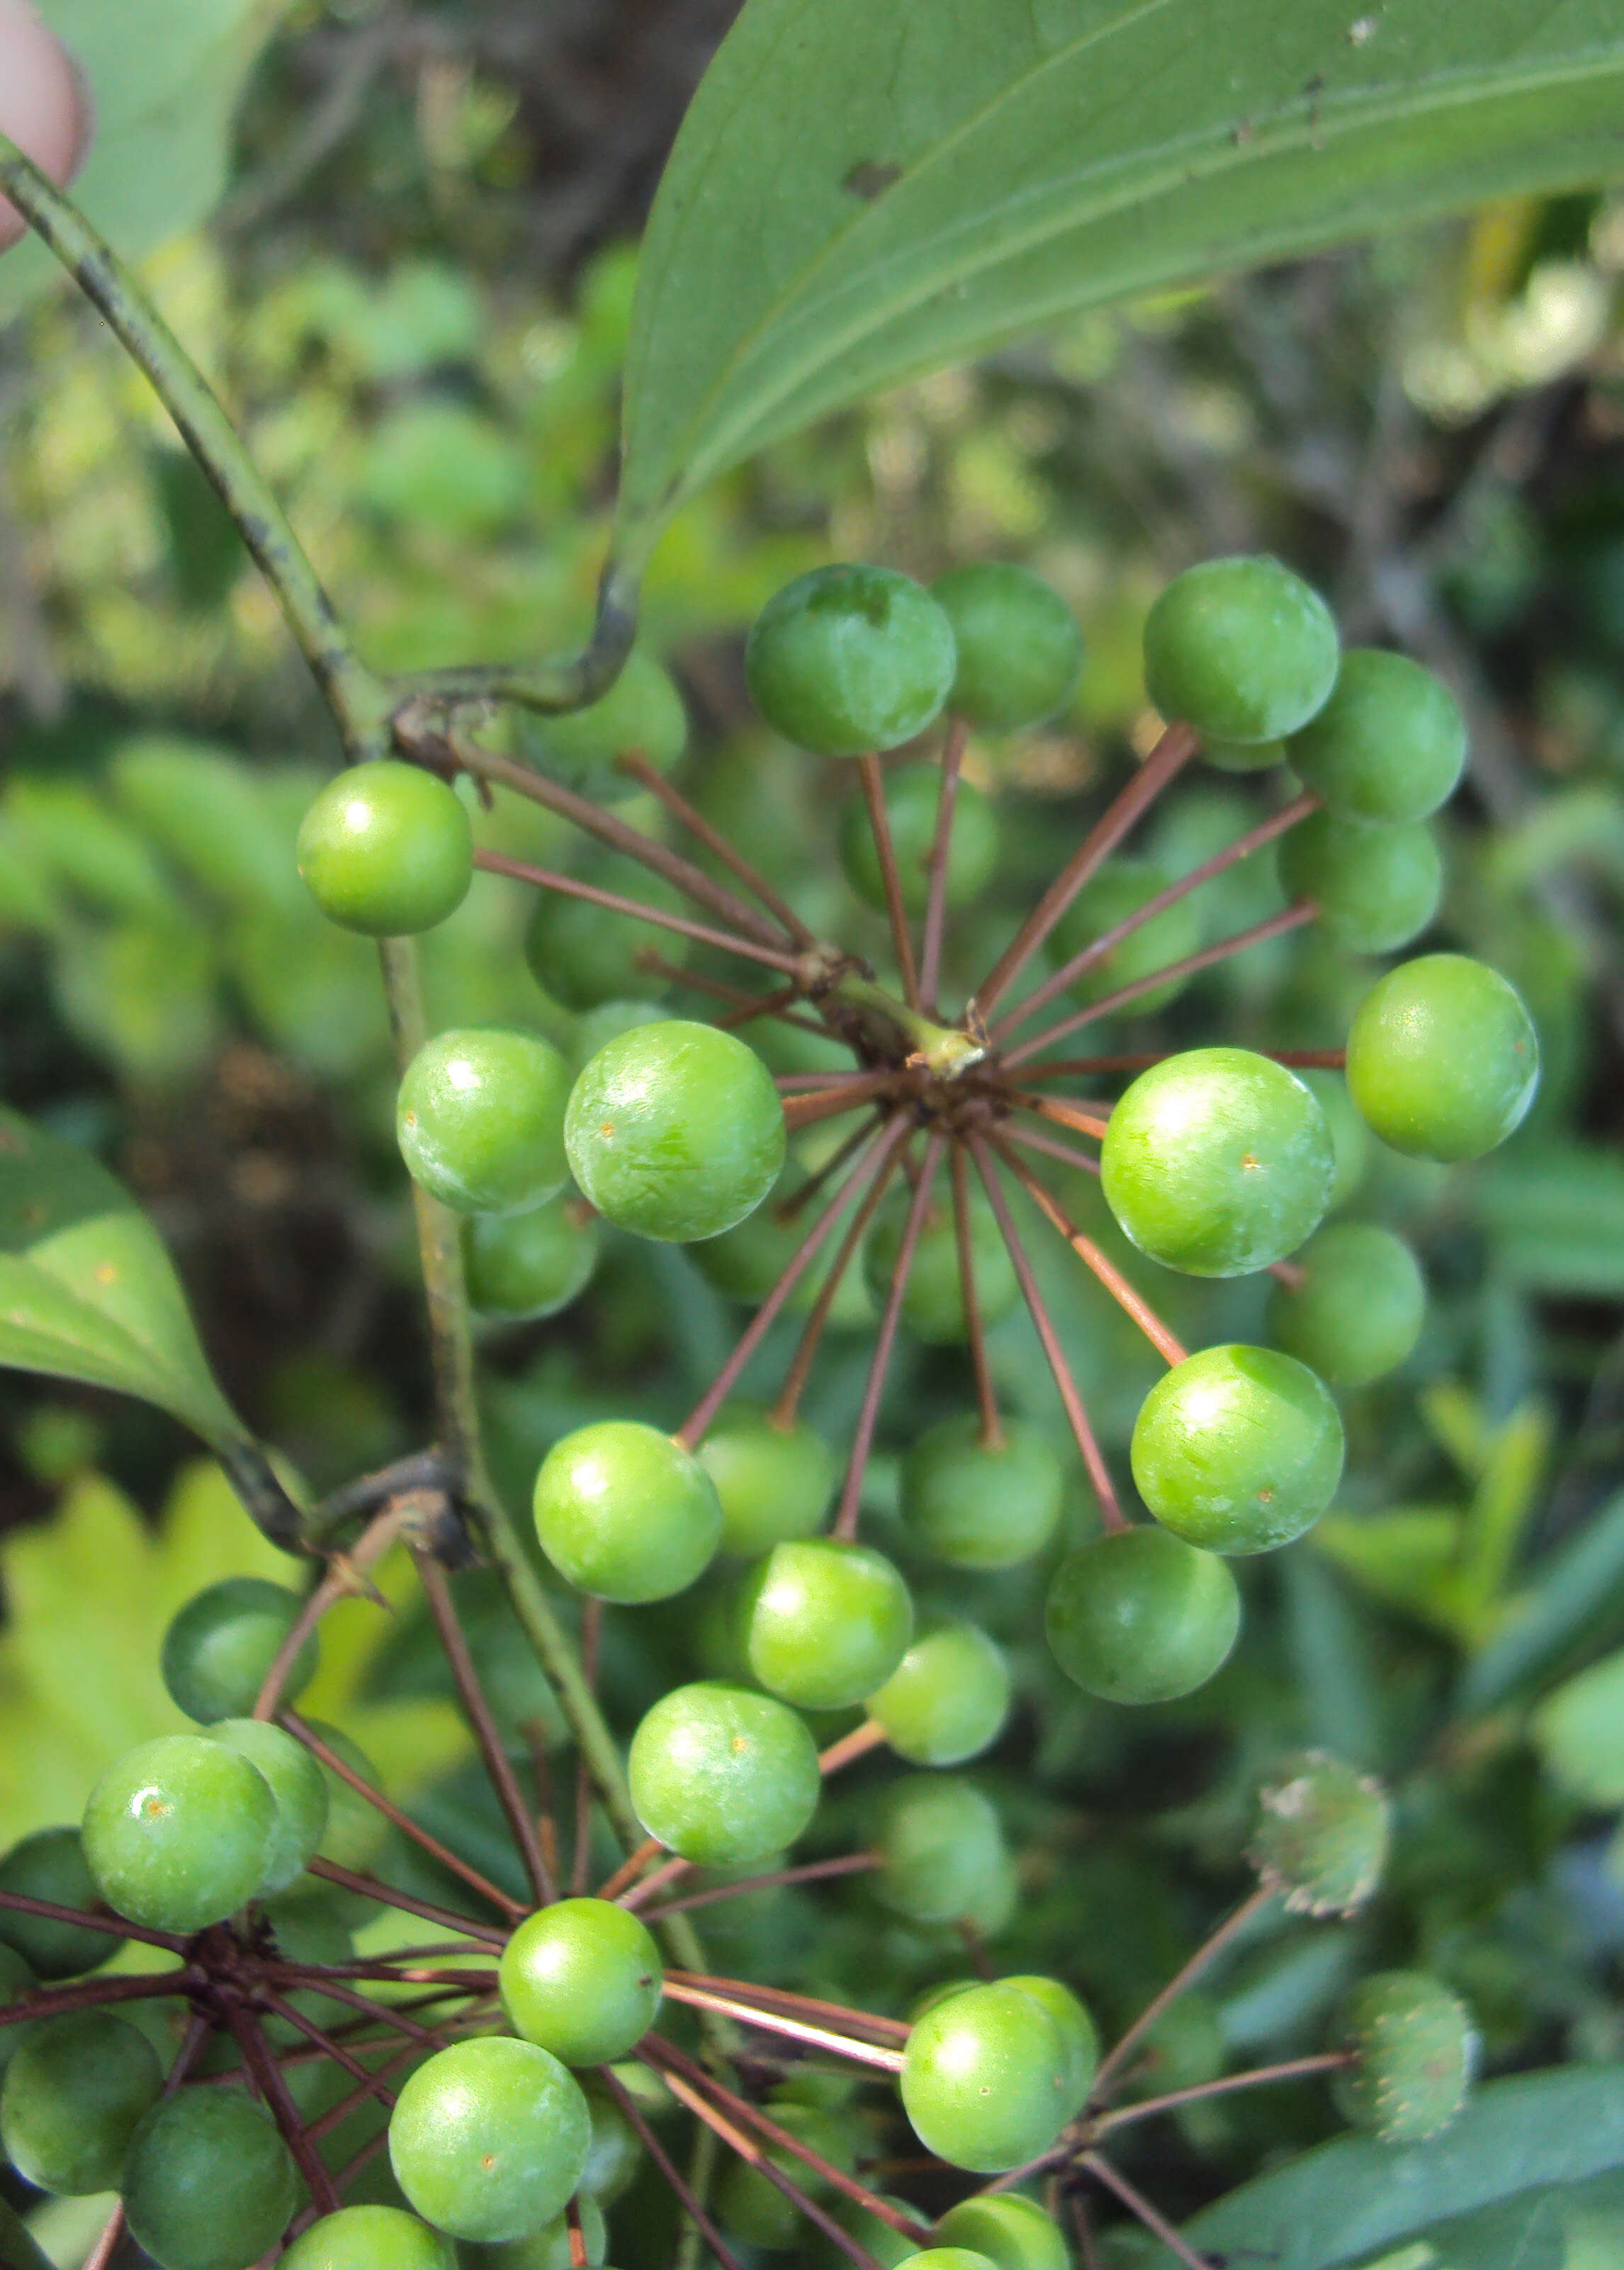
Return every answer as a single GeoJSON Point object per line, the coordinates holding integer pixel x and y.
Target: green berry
{"type": "Point", "coordinates": [370, 2238]}
{"type": "Point", "coordinates": [850, 659]}
{"type": "Point", "coordinates": [773, 1482]}
{"type": "Point", "coordinates": [594, 1029]}
{"type": "Point", "coordinates": [581, 1979]}
{"type": "Point", "coordinates": [1244, 756]}
{"type": "Point", "coordinates": [1442, 1057]}
{"type": "Point", "coordinates": [1390, 743]}
{"type": "Point", "coordinates": [73, 2095]}
{"type": "Point", "coordinates": [1021, 652]}
{"type": "Point", "coordinates": [387, 849]}
{"type": "Point", "coordinates": [978, 1505]}
{"type": "Point", "coordinates": [1414, 2049]}
{"type": "Point", "coordinates": [208, 2182]}
{"type": "Point", "coordinates": [480, 1119]}
{"type": "Point", "coordinates": [642, 715]}
{"type": "Point", "coordinates": [883, 2240]}
{"type": "Point", "coordinates": [1139, 1616]}
{"type": "Point", "coordinates": [934, 1303]}
{"type": "Point", "coordinates": [1350, 1138]}
{"type": "Point", "coordinates": [616, 2153]}
{"type": "Point", "coordinates": [1078, 2032]}
{"type": "Point", "coordinates": [984, 2078]}
{"type": "Point", "coordinates": [356, 1830]}
{"type": "Point", "coordinates": [939, 1845]}
{"type": "Point", "coordinates": [1374, 889]}
{"type": "Point", "coordinates": [948, 1698]}
{"type": "Point", "coordinates": [178, 1834]}
{"type": "Point", "coordinates": [1238, 1448]}
{"type": "Point", "coordinates": [948, 2257]}
{"type": "Point", "coordinates": [1359, 1307]}
{"type": "Point", "coordinates": [1321, 1836]}
{"type": "Point", "coordinates": [588, 956]}
{"type": "Point", "coordinates": [298, 1787]}
{"type": "Point", "coordinates": [1218, 1163]}
{"type": "Point", "coordinates": [1117, 890]}
{"type": "Point", "coordinates": [625, 1512]}
{"type": "Point", "coordinates": [1241, 648]}
{"type": "Point", "coordinates": [524, 1266]}
{"type": "Point", "coordinates": [750, 2205]}
{"type": "Point", "coordinates": [824, 1622]}
{"type": "Point", "coordinates": [16, 1981]}
{"type": "Point", "coordinates": [720, 1775]}
{"type": "Point", "coordinates": [912, 793]}
{"type": "Point", "coordinates": [675, 1131]}
{"type": "Point", "coordinates": [546, 2249]}
{"type": "Point", "coordinates": [1011, 2232]}
{"type": "Point", "coordinates": [49, 1865]}
{"type": "Point", "coordinates": [1184, 2049]}
{"type": "Point", "coordinates": [487, 2140]}
{"type": "Point", "coordinates": [220, 1646]}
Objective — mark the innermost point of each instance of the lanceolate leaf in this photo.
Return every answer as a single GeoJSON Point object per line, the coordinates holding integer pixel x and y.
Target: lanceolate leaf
{"type": "Point", "coordinates": [88, 1291]}
{"type": "Point", "coordinates": [1360, 2202]}
{"type": "Point", "coordinates": [861, 193]}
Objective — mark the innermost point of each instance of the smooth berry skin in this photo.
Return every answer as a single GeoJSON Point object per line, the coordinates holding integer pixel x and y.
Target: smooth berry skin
{"type": "Point", "coordinates": [1244, 756]}
{"type": "Point", "coordinates": [1350, 1138]}
{"type": "Point", "coordinates": [1119, 889]}
{"type": "Point", "coordinates": [524, 1266]}
{"type": "Point", "coordinates": [588, 956]}
{"type": "Point", "coordinates": [16, 1980]}
{"type": "Point", "coordinates": [209, 2185]}
{"type": "Point", "coordinates": [979, 1505]}
{"type": "Point", "coordinates": [941, 1845]}
{"type": "Point", "coordinates": [370, 2238]}
{"type": "Point", "coordinates": [388, 850]}
{"type": "Point", "coordinates": [642, 715]}
{"type": "Point", "coordinates": [1443, 1059]}
{"type": "Point", "coordinates": [581, 1979]}
{"type": "Point", "coordinates": [220, 1646]}
{"type": "Point", "coordinates": [720, 1775]}
{"type": "Point", "coordinates": [1138, 1616]}
{"type": "Point", "coordinates": [1238, 1449]}
{"type": "Point", "coordinates": [1374, 889]}
{"type": "Point", "coordinates": [49, 1865]}
{"type": "Point", "coordinates": [984, 2078]}
{"type": "Point", "coordinates": [824, 1622]}
{"type": "Point", "coordinates": [750, 2205]}
{"type": "Point", "coordinates": [546, 2249]}
{"type": "Point", "coordinates": [487, 2140]}
{"type": "Point", "coordinates": [1021, 653]}
{"type": "Point", "coordinates": [1218, 1163]}
{"type": "Point", "coordinates": [479, 1120]}
{"type": "Point", "coordinates": [73, 2095]}
{"type": "Point", "coordinates": [934, 1303]}
{"type": "Point", "coordinates": [913, 794]}
{"type": "Point", "coordinates": [625, 1512]}
{"type": "Point", "coordinates": [1241, 648]}
{"type": "Point", "coordinates": [1077, 2033]}
{"type": "Point", "coordinates": [675, 1132]}
{"type": "Point", "coordinates": [850, 659]}
{"type": "Point", "coordinates": [1010, 2232]}
{"type": "Point", "coordinates": [178, 1834]}
{"type": "Point", "coordinates": [948, 2257]}
{"type": "Point", "coordinates": [1388, 747]}
{"type": "Point", "coordinates": [1360, 1309]}
{"type": "Point", "coordinates": [356, 1830]}
{"type": "Point", "coordinates": [298, 1787]}
{"type": "Point", "coordinates": [948, 1698]}
{"type": "Point", "coordinates": [773, 1482]}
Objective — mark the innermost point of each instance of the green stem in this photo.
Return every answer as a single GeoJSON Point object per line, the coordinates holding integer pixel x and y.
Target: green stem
{"type": "Point", "coordinates": [569, 682]}
{"type": "Point", "coordinates": [359, 701]}
{"type": "Point", "coordinates": [945, 1049]}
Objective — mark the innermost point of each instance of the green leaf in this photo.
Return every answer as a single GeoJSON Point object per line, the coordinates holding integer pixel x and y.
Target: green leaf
{"type": "Point", "coordinates": [88, 1291]}
{"type": "Point", "coordinates": [165, 75]}
{"type": "Point", "coordinates": [1571, 1584]}
{"type": "Point", "coordinates": [1554, 1213]}
{"type": "Point", "coordinates": [1524, 2181]}
{"type": "Point", "coordinates": [863, 194]}
{"type": "Point", "coordinates": [1579, 1732]}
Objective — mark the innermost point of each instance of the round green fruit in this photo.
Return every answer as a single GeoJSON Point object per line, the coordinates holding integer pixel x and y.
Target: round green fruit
{"type": "Point", "coordinates": [750, 2205]}
{"type": "Point", "coordinates": [1111, 896]}
{"type": "Point", "coordinates": [208, 2182]}
{"type": "Point", "coordinates": [524, 1266]}
{"type": "Point", "coordinates": [625, 1512]}
{"type": "Point", "coordinates": [480, 1119]}
{"type": "Point", "coordinates": [984, 2078]}
{"type": "Point", "coordinates": [370, 2238]}
{"type": "Point", "coordinates": [675, 1131]}
{"type": "Point", "coordinates": [589, 956]}
{"type": "Point", "coordinates": [1238, 1449]}
{"type": "Point", "coordinates": [1413, 2047]}
{"type": "Point", "coordinates": [1244, 756]}
{"type": "Point", "coordinates": [939, 1845]}
{"type": "Point", "coordinates": [850, 659]}
{"type": "Point", "coordinates": [1241, 648]}
{"type": "Point", "coordinates": [948, 2257]}
{"type": "Point", "coordinates": [913, 794]}
{"type": "Point", "coordinates": [387, 849]}
{"type": "Point", "coordinates": [948, 1698]}
{"type": "Point", "coordinates": [981, 1505]}
{"type": "Point", "coordinates": [1442, 1057]}
{"type": "Point", "coordinates": [933, 1301]}
{"type": "Point", "coordinates": [582, 1979]}
{"type": "Point", "coordinates": [1374, 889]}
{"type": "Point", "coordinates": [641, 715]}
{"type": "Point", "coordinates": [546, 2249]}
{"type": "Point", "coordinates": [773, 1482]}
{"type": "Point", "coordinates": [298, 1788]}
{"type": "Point", "coordinates": [73, 2095]}
{"type": "Point", "coordinates": [1358, 1309]}
{"type": "Point", "coordinates": [179, 1833]}
{"type": "Point", "coordinates": [1388, 747]}
{"type": "Point", "coordinates": [488, 2139]}
{"type": "Point", "coordinates": [1139, 1616]}
{"type": "Point", "coordinates": [1021, 653]}
{"type": "Point", "coordinates": [220, 1646]}
{"type": "Point", "coordinates": [824, 1622]}
{"type": "Point", "coordinates": [1218, 1163]}
{"type": "Point", "coordinates": [1010, 2232]}
{"type": "Point", "coordinates": [49, 1865]}
{"type": "Point", "coordinates": [1323, 1833]}
{"type": "Point", "coordinates": [720, 1775]}
{"type": "Point", "coordinates": [1078, 2032]}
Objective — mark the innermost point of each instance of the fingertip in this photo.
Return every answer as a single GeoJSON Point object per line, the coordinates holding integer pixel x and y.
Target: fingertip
{"type": "Point", "coordinates": [45, 101]}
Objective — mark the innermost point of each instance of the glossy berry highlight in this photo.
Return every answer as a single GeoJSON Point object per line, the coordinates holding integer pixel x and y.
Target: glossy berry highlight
{"type": "Point", "coordinates": [823, 1621]}
{"type": "Point", "coordinates": [179, 1833]}
{"type": "Point", "coordinates": [1443, 1059]}
{"type": "Point", "coordinates": [488, 2139]}
{"type": "Point", "coordinates": [720, 1775]}
{"type": "Point", "coordinates": [387, 849]}
{"type": "Point", "coordinates": [1139, 1616]}
{"type": "Point", "coordinates": [1238, 1449]}
{"type": "Point", "coordinates": [625, 1512]}
{"type": "Point", "coordinates": [850, 659]}
{"type": "Point", "coordinates": [581, 1979]}
{"type": "Point", "coordinates": [480, 1119]}
{"type": "Point", "coordinates": [1241, 648]}
{"type": "Point", "coordinates": [1388, 747]}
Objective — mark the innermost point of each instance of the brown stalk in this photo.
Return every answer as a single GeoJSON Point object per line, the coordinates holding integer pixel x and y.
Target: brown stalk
{"type": "Point", "coordinates": [718, 845]}
{"type": "Point", "coordinates": [630, 1868]}
{"type": "Point", "coordinates": [382, 2013]}
{"type": "Point", "coordinates": [568, 887]}
{"type": "Point", "coordinates": [936, 864]}
{"type": "Point", "coordinates": [296, 2018]}
{"type": "Point", "coordinates": [803, 1197]}
{"type": "Point", "coordinates": [857, 1744]}
{"type": "Point", "coordinates": [577, 2236]}
{"type": "Point", "coordinates": [986, 1394]}
{"type": "Point", "coordinates": [1112, 2064]}
{"type": "Point", "coordinates": [267, 2079]}
{"type": "Point", "coordinates": [343, 1576]}
{"type": "Point", "coordinates": [784, 1411]}
{"type": "Point", "coordinates": [885, 1340]}
{"type": "Point", "coordinates": [807, 1109]}
{"type": "Point", "coordinates": [745, 1007]}
{"type": "Point", "coordinates": [1029, 1140]}
{"type": "Point", "coordinates": [775, 2022]}
{"type": "Point", "coordinates": [370, 1889]}
{"type": "Point", "coordinates": [806, 2006]}
{"type": "Point", "coordinates": [337, 2114]}
{"type": "Point", "coordinates": [1137, 2205]}
{"type": "Point", "coordinates": [1077, 1067]}
{"type": "Point", "coordinates": [656, 1881]}
{"type": "Point", "coordinates": [106, 2246]}
{"type": "Point", "coordinates": [1063, 1114]}
{"type": "Point", "coordinates": [1293, 2069]}
{"type": "Point", "coordinates": [53, 2001]}
{"type": "Point", "coordinates": [851, 1864]}
{"type": "Point", "coordinates": [93, 1918]}
{"type": "Point", "coordinates": [879, 822]}
{"type": "Point", "coordinates": [1170, 1350]}
{"type": "Point", "coordinates": [692, 2205]}
{"type": "Point", "coordinates": [1174, 749]}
